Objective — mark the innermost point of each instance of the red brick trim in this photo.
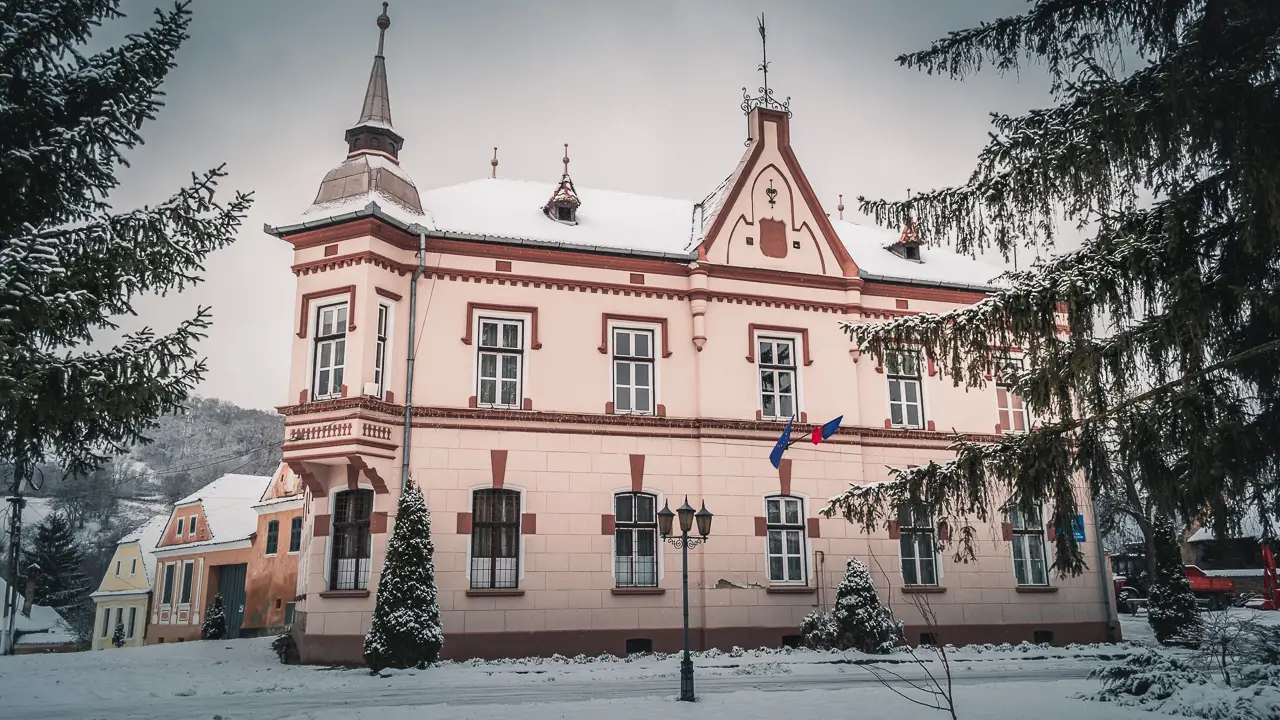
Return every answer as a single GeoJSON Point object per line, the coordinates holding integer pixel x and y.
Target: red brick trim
{"type": "Point", "coordinates": [1035, 589]}
{"type": "Point", "coordinates": [661, 410]}
{"type": "Point", "coordinates": [1052, 532]}
{"type": "Point", "coordinates": [305, 314]}
{"type": "Point", "coordinates": [302, 397]}
{"type": "Point", "coordinates": [309, 480]}
{"type": "Point", "coordinates": [895, 531]}
{"type": "Point", "coordinates": [637, 278]}
{"type": "Point", "coordinates": [526, 404]}
{"type": "Point", "coordinates": [534, 343]}
{"type": "Point", "coordinates": [353, 476]}
{"type": "Point", "coordinates": [608, 408]}
{"type": "Point", "coordinates": [320, 526]}
{"type": "Point", "coordinates": [502, 265]}
{"type": "Point", "coordinates": [394, 297]}
{"type": "Point", "coordinates": [638, 591]}
{"type": "Point", "coordinates": [752, 328]}
{"type": "Point", "coordinates": [916, 292]}
{"type": "Point", "coordinates": [815, 528]}
{"type": "Point", "coordinates": [330, 250]}
{"type": "Point", "coordinates": [944, 531]}
{"type": "Point", "coordinates": [762, 526]}
{"type": "Point", "coordinates": [360, 466]}
{"type": "Point", "coordinates": [637, 472]}
{"type": "Point", "coordinates": [498, 467]}
{"type": "Point", "coordinates": [900, 304]}
{"type": "Point", "coordinates": [923, 589]}
{"type": "Point", "coordinates": [1006, 532]}
{"type": "Point", "coordinates": [604, 330]}
{"type": "Point", "coordinates": [930, 426]}
{"type": "Point", "coordinates": [529, 524]}
{"type": "Point", "coordinates": [784, 476]}
{"type": "Point", "coordinates": [606, 524]}
{"type": "Point", "coordinates": [464, 523]}
{"type": "Point", "coordinates": [378, 523]}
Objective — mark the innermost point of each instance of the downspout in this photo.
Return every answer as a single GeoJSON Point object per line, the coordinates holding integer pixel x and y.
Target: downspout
{"type": "Point", "coordinates": [413, 351]}
{"type": "Point", "coordinates": [1104, 577]}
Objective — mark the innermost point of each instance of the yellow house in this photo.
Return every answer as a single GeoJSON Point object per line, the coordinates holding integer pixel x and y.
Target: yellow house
{"type": "Point", "coordinates": [124, 594]}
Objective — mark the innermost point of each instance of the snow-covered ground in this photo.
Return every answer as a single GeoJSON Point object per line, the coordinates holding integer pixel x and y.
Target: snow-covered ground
{"type": "Point", "coordinates": [242, 680]}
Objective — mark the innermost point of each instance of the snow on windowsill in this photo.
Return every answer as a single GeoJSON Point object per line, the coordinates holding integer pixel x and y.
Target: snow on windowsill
{"type": "Point", "coordinates": [923, 589]}
{"type": "Point", "coordinates": [1034, 589]}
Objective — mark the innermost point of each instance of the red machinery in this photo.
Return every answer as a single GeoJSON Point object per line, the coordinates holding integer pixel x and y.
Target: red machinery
{"type": "Point", "coordinates": [1271, 594]}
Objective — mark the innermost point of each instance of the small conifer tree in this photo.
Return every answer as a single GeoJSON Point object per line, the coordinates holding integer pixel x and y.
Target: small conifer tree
{"type": "Point", "coordinates": [1171, 606]}
{"type": "Point", "coordinates": [406, 630]}
{"type": "Point", "coordinates": [861, 622]}
{"type": "Point", "coordinates": [215, 621]}
{"type": "Point", "coordinates": [117, 637]}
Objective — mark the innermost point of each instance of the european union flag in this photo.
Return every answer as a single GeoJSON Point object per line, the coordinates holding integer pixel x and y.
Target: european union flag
{"type": "Point", "coordinates": [775, 457]}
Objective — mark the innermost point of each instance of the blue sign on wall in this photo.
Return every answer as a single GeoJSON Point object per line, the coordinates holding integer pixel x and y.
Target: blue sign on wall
{"type": "Point", "coordinates": [1077, 528]}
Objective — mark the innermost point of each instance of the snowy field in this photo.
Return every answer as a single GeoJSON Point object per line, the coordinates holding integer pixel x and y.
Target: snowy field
{"type": "Point", "coordinates": [240, 680]}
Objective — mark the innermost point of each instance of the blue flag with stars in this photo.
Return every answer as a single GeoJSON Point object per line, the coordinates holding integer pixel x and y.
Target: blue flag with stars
{"type": "Point", "coordinates": [775, 457]}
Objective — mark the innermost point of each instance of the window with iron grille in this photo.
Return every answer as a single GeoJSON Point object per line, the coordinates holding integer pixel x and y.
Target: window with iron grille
{"type": "Point", "coordinates": [635, 540]}
{"type": "Point", "coordinates": [777, 360]}
{"type": "Point", "coordinates": [330, 351]}
{"type": "Point", "coordinates": [495, 539]}
{"type": "Point", "coordinates": [380, 349]}
{"type": "Point", "coordinates": [632, 370]}
{"type": "Point", "coordinates": [1028, 546]}
{"type": "Point", "coordinates": [273, 537]}
{"type": "Point", "coordinates": [295, 534]}
{"type": "Point", "coordinates": [352, 552]}
{"type": "Point", "coordinates": [1013, 411]}
{"type": "Point", "coordinates": [905, 407]}
{"type": "Point", "coordinates": [784, 548]}
{"type": "Point", "coordinates": [918, 546]}
{"type": "Point", "coordinates": [501, 358]}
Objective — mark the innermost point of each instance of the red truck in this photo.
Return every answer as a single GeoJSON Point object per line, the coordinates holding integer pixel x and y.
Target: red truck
{"type": "Point", "coordinates": [1129, 573]}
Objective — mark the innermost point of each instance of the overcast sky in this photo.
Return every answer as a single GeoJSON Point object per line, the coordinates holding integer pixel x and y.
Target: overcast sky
{"type": "Point", "coordinates": [646, 93]}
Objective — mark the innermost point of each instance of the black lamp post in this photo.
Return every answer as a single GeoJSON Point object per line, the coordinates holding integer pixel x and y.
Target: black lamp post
{"type": "Point", "coordinates": [684, 542]}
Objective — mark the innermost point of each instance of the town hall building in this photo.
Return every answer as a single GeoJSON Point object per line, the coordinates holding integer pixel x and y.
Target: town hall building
{"type": "Point", "coordinates": [587, 357]}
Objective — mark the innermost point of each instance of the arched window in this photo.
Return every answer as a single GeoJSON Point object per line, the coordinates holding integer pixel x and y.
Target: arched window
{"type": "Point", "coordinates": [352, 553]}
{"type": "Point", "coordinates": [273, 537]}
{"type": "Point", "coordinates": [784, 542]}
{"type": "Point", "coordinates": [635, 540]}
{"type": "Point", "coordinates": [495, 539]}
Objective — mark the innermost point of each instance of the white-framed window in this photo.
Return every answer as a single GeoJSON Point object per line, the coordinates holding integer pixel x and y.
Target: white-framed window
{"type": "Point", "coordinates": [495, 539]}
{"type": "Point", "coordinates": [500, 363]}
{"type": "Point", "coordinates": [918, 545]}
{"type": "Point", "coordinates": [633, 371]}
{"type": "Point", "coordinates": [1014, 417]}
{"type": "Point", "coordinates": [1028, 546]}
{"type": "Point", "coordinates": [381, 347]}
{"type": "Point", "coordinates": [777, 361]}
{"type": "Point", "coordinates": [188, 576]}
{"type": "Point", "coordinates": [166, 593]}
{"type": "Point", "coordinates": [273, 537]}
{"type": "Point", "coordinates": [785, 539]}
{"type": "Point", "coordinates": [133, 621]}
{"type": "Point", "coordinates": [182, 527]}
{"type": "Point", "coordinates": [906, 409]}
{"type": "Point", "coordinates": [295, 535]}
{"type": "Point", "coordinates": [118, 568]}
{"type": "Point", "coordinates": [106, 622]}
{"type": "Point", "coordinates": [635, 539]}
{"type": "Point", "coordinates": [329, 357]}
{"type": "Point", "coordinates": [133, 566]}
{"type": "Point", "coordinates": [191, 525]}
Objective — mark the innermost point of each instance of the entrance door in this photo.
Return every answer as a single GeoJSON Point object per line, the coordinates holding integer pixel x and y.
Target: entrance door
{"type": "Point", "coordinates": [231, 583]}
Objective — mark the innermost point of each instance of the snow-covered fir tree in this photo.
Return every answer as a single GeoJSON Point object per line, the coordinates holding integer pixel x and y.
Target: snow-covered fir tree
{"type": "Point", "coordinates": [406, 630]}
{"type": "Point", "coordinates": [117, 636]}
{"type": "Point", "coordinates": [69, 262]}
{"type": "Point", "coordinates": [858, 621]}
{"type": "Point", "coordinates": [1171, 606]}
{"type": "Point", "coordinates": [215, 620]}
{"type": "Point", "coordinates": [55, 560]}
{"type": "Point", "coordinates": [1171, 303]}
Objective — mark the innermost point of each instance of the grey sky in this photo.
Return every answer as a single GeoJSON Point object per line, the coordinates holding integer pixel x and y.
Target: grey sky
{"type": "Point", "coordinates": [645, 93]}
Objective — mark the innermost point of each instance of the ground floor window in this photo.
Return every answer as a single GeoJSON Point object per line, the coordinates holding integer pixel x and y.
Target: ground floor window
{"type": "Point", "coordinates": [495, 539]}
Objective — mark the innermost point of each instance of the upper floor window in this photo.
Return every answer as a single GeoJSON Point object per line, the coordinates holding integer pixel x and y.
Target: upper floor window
{"type": "Point", "coordinates": [273, 537]}
{"type": "Point", "coordinates": [566, 213]}
{"type": "Point", "coordinates": [635, 536]}
{"type": "Point", "coordinates": [784, 549]}
{"type": "Point", "coordinates": [191, 526]}
{"type": "Point", "coordinates": [501, 359]}
{"type": "Point", "coordinates": [118, 568]}
{"type": "Point", "coordinates": [295, 535]}
{"type": "Point", "coordinates": [632, 370]}
{"type": "Point", "coordinates": [905, 407]}
{"type": "Point", "coordinates": [182, 525]}
{"type": "Point", "coordinates": [330, 350]}
{"type": "Point", "coordinates": [918, 545]}
{"type": "Point", "coordinates": [495, 539]}
{"type": "Point", "coordinates": [133, 566]}
{"type": "Point", "coordinates": [352, 553]}
{"type": "Point", "coordinates": [1028, 546]}
{"type": "Point", "coordinates": [1013, 412]}
{"type": "Point", "coordinates": [380, 349]}
{"type": "Point", "coordinates": [777, 358]}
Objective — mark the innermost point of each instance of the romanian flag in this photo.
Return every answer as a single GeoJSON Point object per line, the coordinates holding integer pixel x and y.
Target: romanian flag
{"type": "Point", "coordinates": [826, 430]}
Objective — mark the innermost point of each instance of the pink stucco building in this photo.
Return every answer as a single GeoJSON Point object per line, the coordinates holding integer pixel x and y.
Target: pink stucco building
{"type": "Point", "coordinates": [587, 356]}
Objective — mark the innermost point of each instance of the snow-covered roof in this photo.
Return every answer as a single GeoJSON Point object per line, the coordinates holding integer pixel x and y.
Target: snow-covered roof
{"type": "Point", "coordinates": [44, 627]}
{"type": "Point", "coordinates": [938, 265]}
{"type": "Point", "coordinates": [148, 536]}
{"type": "Point", "coordinates": [1250, 527]}
{"type": "Point", "coordinates": [228, 507]}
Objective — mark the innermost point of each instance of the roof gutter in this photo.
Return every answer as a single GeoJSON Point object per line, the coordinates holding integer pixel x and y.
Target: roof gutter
{"type": "Point", "coordinates": [926, 283]}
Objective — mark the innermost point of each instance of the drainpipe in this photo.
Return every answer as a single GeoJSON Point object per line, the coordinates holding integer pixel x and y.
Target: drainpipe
{"type": "Point", "coordinates": [1103, 576]}
{"type": "Point", "coordinates": [413, 351]}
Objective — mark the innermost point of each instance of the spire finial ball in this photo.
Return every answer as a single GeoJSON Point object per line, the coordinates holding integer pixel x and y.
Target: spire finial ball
{"type": "Point", "coordinates": [384, 21]}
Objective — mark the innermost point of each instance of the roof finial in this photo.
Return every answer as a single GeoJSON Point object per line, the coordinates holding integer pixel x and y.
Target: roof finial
{"type": "Point", "coordinates": [494, 163]}
{"type": "Point", "coordinates": [840, 207]}
{"type": "Point", "coordinates": [566, 159]}
{"type": "Point", "coordinates": [384, 22]}
{"type": "Point", "coordinates": [766, 99]}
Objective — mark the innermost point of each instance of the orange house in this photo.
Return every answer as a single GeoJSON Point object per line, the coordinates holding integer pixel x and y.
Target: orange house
{"type": "Point", "coordinates": [237, 537]}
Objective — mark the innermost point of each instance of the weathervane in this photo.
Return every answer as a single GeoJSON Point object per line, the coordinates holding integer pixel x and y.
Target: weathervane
{"type": "Point", "coordinates": [766, 98]}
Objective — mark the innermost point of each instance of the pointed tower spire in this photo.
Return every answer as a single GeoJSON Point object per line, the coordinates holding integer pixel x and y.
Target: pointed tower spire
{"type": "Point", "coordinates": [564, 203]}
{"type": "Point", "coordinates": [494, 163]}
{"type": "Point", "coordinates": [374, 131]}
{"type": "Point", "coordinates": [840, 207]}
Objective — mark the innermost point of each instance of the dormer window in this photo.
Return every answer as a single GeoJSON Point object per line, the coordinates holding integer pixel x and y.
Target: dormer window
{"type": "Point", "coordinates": [911, 252]}
{"type": "Point", "coordinates": [565, 213]}
{"type": "Point", "coordinates": [564, 202]}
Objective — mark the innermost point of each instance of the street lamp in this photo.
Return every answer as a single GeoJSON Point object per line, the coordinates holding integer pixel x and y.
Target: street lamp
{"type": "Point", "coordinates": [684, 542]}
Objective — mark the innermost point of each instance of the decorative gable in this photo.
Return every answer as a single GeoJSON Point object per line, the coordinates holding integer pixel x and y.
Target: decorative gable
{"type": "Point", "coordinates": [769, 217]}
